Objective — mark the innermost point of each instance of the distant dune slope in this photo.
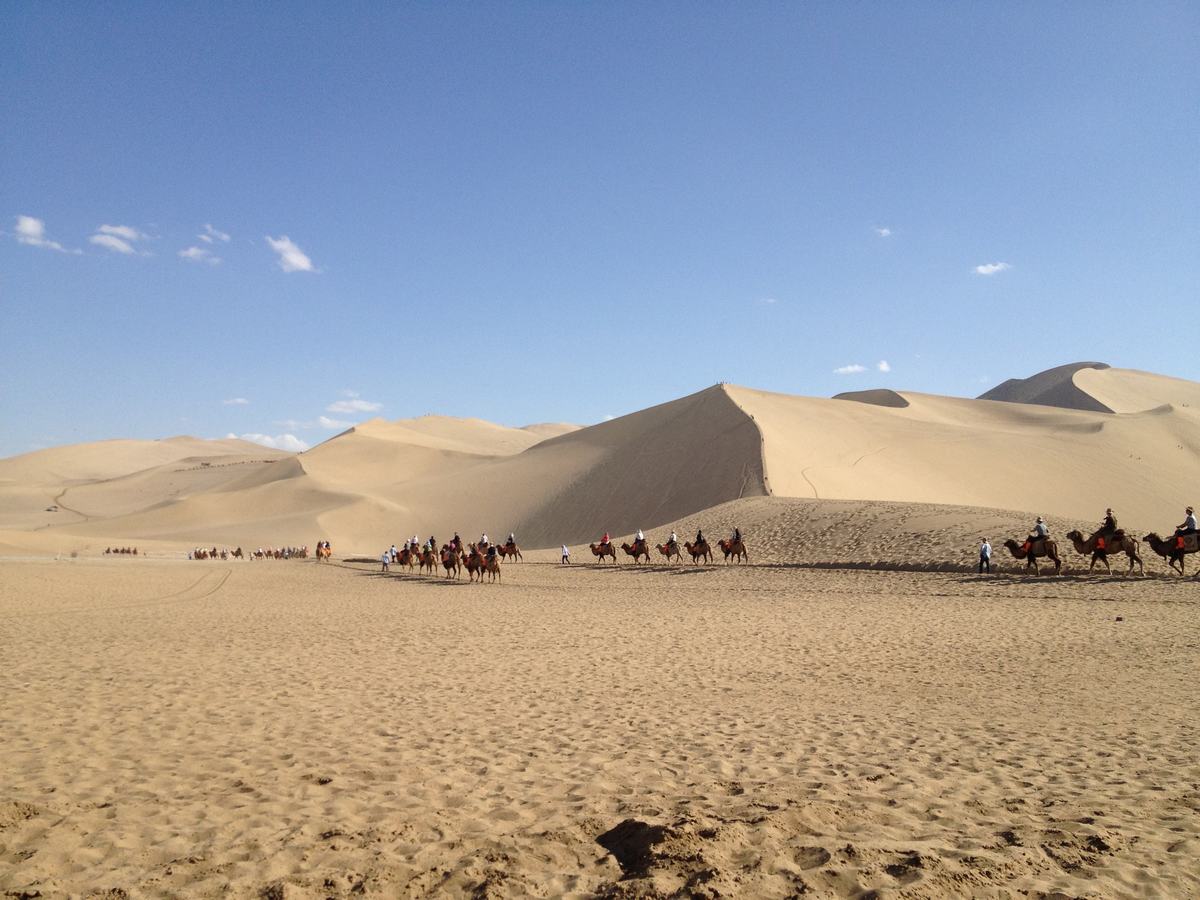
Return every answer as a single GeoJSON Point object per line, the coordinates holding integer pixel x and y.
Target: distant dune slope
{"type": "Point", "coordinates": [964, 452]}
{"type": "Point", "coordinates": [110, 478]}
{"type": "Point", "coordinates": [1130, 391]}
{"type": "Point", "coordinates": [383, 481]}
{"type": "Point", "coordinates": [1054, 387]}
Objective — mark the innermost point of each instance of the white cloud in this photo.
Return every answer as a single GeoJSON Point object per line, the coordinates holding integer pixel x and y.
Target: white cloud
{"type": "Point", "coordinates": [992, 268]}
{"type": "Point", "coordinates": [883, 232]}
{"type": "Point", "coordinates": [32, 232]}
{"type": "Point", "coordinates": [111, 242]}
{"type": "Point", "coordinates": [125, 232]}
{"type": "Point", "coordinates": [200, 255]}
{"type": "Point", "coordinates": [291, 257]}
{"type": "Point", "coordinates": [853, 369]}
{"type": "Point", "coordinates": [236, 401]}
{"type": "Point", "coordinates": [355, 405]}
{"type": "Point", "coordinates": [118, 238]}
{"type": "Point", "coordinates": [883, 366]}
{"type": "Point", "coordinates": [325, 422]}
{"type": "Point", "coordinates": [211, 234]}
{"type": "Point", "coordinates": [769, 301]}
{"type": "Point", "coordinates": [275, 442]}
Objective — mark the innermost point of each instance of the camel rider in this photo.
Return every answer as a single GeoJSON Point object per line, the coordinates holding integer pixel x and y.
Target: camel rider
{"type": "Point", "coordinates": [1040, 532]}
{"type": "Point", "coordinates": [491, 553]}
{"type": "Point", "coordinates": [640, 539]}
{"type": "Point", "coordinates": [457, 542]}
{"type": "Point", "coordinates": [737, 535]}
{"type": "Point", "coordinates": [699, 536]}
{"type": "Point", "coordinates": [512, 539]}
{"type": "Point", "coordinates": [673, 540]}
{"type": "Point", "coordinates": [483, 538]}
{"type": "Point", "coordinates": [1188, 526]}
{"type": "Point", "coordinates": [1109, 527]}
{"type": "Point", "coordinates": [606, 540]}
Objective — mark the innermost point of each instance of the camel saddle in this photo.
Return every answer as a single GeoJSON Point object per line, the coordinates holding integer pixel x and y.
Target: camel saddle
{"type": "Point", "coordinates": [1188, 543]}
{"type": "Point", "coordinates": [1035, 547]}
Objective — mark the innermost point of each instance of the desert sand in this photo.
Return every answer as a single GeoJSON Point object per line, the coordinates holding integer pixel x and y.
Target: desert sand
{"type": "Point", "coordinates": [310, 730]}
{"type": "Point", "coordinates": [853, 713]}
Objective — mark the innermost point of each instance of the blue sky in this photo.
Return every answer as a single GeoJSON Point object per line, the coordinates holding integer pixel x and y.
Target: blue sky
{"type": "Point", "coordinates": [560, 212]}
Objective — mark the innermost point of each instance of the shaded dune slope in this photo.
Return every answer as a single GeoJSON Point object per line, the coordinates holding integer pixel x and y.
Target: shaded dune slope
{"type": "Point", "coordinates": [1053, 387]}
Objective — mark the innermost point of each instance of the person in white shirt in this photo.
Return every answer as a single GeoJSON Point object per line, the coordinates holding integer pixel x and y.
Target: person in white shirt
{"type": "Point", "coordinates": [1039, 530]}
{"type": "Point", "coordinates": [985, 556]}
{"type": "Point", "coordinates": [483, 539]}
{"type": "Point", "coordinates": [385, 559]}
{"type": "Point", "coordinates": [1189, 524]}
{"type": "Point", "coordinates": [566, 555]}
{"type": "Point", "coordinates": [673, 541]}
{"type": "Point", "coordinates": [641, 538]}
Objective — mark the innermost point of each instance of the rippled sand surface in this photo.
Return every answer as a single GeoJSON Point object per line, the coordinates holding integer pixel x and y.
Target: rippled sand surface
{"type": "Point", "coordinates": [304, 730]}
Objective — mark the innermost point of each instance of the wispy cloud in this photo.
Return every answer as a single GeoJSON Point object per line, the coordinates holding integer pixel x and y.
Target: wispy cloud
{"type": "Point", "coordinates": [291, 257]}
{"type": "Point", "coordinates": [118, 238]}
{"type": "Point", "coordinates": [32, 232]}
{"type": "Point", "coordinates": [992, 268]}
{"type": "Point", "coordinates": [883, 232]}
{"type": "Point", "coordinates": [211, 234]}
{"type": "Point", "coordinates": [883, 366]}
{"type": "Point", "coordinates": [200, 255]}
{"type": "Point", "coordinates": [353, 405]}
{"type": "Point", "coordinates": [275, 441]}
{"type": "Point", "coordinates": [324, 422]}
{"type": "Point", "coordinates": [852, 369]}
{"type": "Point", "coordinates": [768, 301]}
{"type": "Point", "coordinates": [236, 401]}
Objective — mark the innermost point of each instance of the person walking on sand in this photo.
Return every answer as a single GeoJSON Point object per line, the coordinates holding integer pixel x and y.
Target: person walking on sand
{"type": "Point", "coordinates": [385, 559]}
{"type": "Point", "coordinates": [985, 556]}
{"type": "Point", "coordinates": [566, 555]}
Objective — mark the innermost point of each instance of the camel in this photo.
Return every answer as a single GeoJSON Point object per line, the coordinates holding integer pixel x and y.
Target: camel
{"type": "Point", "coordinates": [1170, 550]}
{"type": "Point", "coordinates": [670, 550]}
{"type": "Point", "coordinates": [602, 550]}
{"type": "Point", "coordinates": [428, 561]}
{"type": "Point", "coordinates": [407, 557]}
{"type": "Point", "coordinates": [1031, 550]}
{"type": "Point", "coordinates": [474, 564]}
{"type": "Point", "coordinates": [491, 565]}
{"type": "Point", "coordinates": [237, 554]}
{"type": "Point", "coordinates": [637, 551]}
{"type": "Point", "coordinates": [700, 551]}
{"type": "Point", "coordinates": [1118, 542]}
{"type": "Point", "coordinates": [506, 550]}
{"type": "Point", "coordinates": [450, 562]}
{"type": "Point", "coordinates": [323, 552]}
{"type": "Point", "coordinates": [736, 549]}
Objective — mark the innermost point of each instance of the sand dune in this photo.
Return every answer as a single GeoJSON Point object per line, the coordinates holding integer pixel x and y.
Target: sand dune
{"type": "Point", "coordinates": [382, 481]}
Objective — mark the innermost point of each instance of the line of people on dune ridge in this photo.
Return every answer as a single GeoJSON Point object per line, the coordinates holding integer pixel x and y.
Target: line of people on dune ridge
{"type": "Point", "coordinates": [1108, 528]}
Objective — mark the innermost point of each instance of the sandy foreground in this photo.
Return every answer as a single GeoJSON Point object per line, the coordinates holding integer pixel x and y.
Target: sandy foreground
{"type": "Point", "coordinates": [301, 730]}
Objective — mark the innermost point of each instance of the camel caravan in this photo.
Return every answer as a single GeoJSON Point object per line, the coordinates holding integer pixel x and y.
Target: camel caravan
{"type": "Point", "coordinates": [1108, 539]}
{"type": "Point", "coordinates": [734, 548]}
{"type": "Point", "coordinates": [479, 560]}
{"type": "Point", "coordinates": [260, 553]}
{"type": "Point", "coordinates": [120, 551]}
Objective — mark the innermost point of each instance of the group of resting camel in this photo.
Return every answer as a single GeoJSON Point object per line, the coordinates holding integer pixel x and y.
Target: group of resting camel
{"type": "Point", "coordinates": [1101, 544]}
{"type": "Point", "coordinates": [120, 551]}
{"type": "Point", "coordinates": [454, 558]}
{"type": "Point", "coordinates": [700, 551]}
